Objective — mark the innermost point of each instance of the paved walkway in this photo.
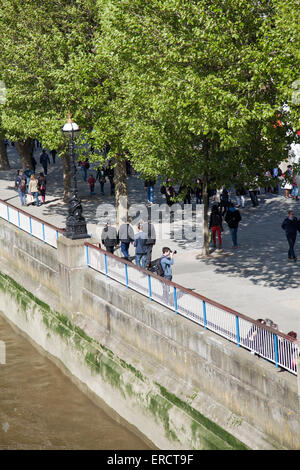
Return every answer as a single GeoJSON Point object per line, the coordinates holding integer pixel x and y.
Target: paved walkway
{"type": "Point", "coordinates": [256, 279]}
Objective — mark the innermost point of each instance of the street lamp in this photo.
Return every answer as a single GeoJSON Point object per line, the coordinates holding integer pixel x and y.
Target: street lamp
{"type": "Point", "coordinates": [75, 223]}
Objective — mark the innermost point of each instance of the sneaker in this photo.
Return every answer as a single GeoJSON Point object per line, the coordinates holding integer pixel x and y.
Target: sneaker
{"type": "Point", "coordinates": [295, 259]}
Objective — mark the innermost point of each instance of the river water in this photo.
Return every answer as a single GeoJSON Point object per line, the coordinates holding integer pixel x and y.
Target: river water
{"type": "Point", "coordinates": [40, 408]}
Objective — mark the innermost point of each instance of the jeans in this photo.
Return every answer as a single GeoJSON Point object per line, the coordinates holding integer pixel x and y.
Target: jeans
{"type": "Point", "coordinates": [102, 187]}
{"type": "Point", "coordinates": [84, 173]}
{"type": "Point", "coordinates": [291, 238]}
{"type": "Point", "coordinates": [233, 232]}
{"type": "Point", "coordinates": [150, 194]}
{"type": "Point", "coordinates": [240, 200]}
{"type": "Point", "coordinates": [36, 195]}
{"type": "Point", "coordinates": [166, 291]}
{"type": "Point", "coordinates": [45, 169]}
{"type": "Point", "coordinates": [140, 260]}
{"type": "Point", "coordinates": [253, 196]}
{"type": "Point", "coordinates": [22, 197]}
{"type": "Point", "coordinates": [124, 249]}
{"type": "Point", "coordinates": [198, 200]}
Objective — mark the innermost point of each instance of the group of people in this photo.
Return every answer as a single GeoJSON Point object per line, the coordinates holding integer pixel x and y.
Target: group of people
{"type": "Point", "coordinates": [143, 241]}
{"type": "Point", "coordinates": [30, 188]}
{"type": "Point", "coordinates": [231, 216]}
{"type": "Point", "coordinates": [103, 173]}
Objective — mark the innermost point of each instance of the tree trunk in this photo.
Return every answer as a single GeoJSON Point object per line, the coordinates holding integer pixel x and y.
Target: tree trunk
{"type": "Point", "coordinates": [25, 150]}
{"type": "Point", "coordinates": [121, 191]}
{"type": "Point", "coordinates": [205, 248]}
{"type": "Point", "coordinates": [67, 176]}
{"type": "Point", "coordinates": [4, 163]}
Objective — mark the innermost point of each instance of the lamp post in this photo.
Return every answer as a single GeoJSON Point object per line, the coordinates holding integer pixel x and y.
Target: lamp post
{"type": "Point", "coordinates": [75, 223]}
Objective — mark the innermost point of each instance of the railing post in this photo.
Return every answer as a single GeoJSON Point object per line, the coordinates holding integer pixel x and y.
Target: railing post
{"type": "Point", "coordinates": [204, 313]}
{"type": "Point", "coordinates": [7, 209]}
{"type": "Point", "coordinates": [175, 300]}
{"type": "Point", "coordinates": [87, 255]}
{"type": "Point", "coordinates": [56, 234]}
{"type": "Point", "coordinates": [149, 286]}
{"type": "Point", "coordinates": [44, 236]}
{"type": "Point", "coordinates": [276, 349]}
{"type": "Point", "coordinates": [30, 225]}
{"type": "Point", "coordinates": [126, 274]}
{"type": "Point", "coordinates": [19, 221]}
{"type": "Point", "coordinates": [237, 330]}
{"type": "Point", "coordinates": [105, 263]}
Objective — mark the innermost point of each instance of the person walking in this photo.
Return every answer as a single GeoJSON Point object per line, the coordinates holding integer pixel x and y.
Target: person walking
{"type": "Point", "coordinates": [84, 165]}
{"type": "Point", "coordinates": [53, 155]}
{"type": "Point", "coordinates": [44, 160]}
{"type": "Point", "coordinates": [33, 189]}
{"type": "Point", "coordinates": [253, 192]}
{"type": "Point", "coordinates": [22, 191]}
{"type": "Point", "coordinates": [125, 236]}
{"type": "Point", "coordinates": [42, 186]}
{"type": "Point", "coordinates": [167, 262]}
{"type": "Point", "coordinates": [110, 172]}
{"type": "Point", "coordinates": [287, 182]}
{"type": "Point", "coordinates": [27, 174]}
{"type": "Point", "coordinates": [233, 218]}
{"type": "Point", "coordinates": [224, 201]}
{"type": "Point", "coordinates": [169, 191]}
{"type": "Point", "coordinates": [291, 225]}
{"type": "Point", "coordinates": [140, 247]}
{"type": "Point", "coordinates": [100, 176]}
{"type": "Point", "coordinates": [198, 191]}
{"type": "Point", "coordinates": [149, 229]}
{"type": "Point", "coordinates": [295, 191]}
{"type": "Point", "coordinates": [149, 186]}
{"type": "Point", "coordinates": [20, 185]}
{"type": "Point", "coordinates": [109, 237]}
{"type": "Point", "coordinates": [91, 182]}
{"type": "Point", "coordinates": [215, 225]}
{"type": "Point", "coordinates": [240, 197]}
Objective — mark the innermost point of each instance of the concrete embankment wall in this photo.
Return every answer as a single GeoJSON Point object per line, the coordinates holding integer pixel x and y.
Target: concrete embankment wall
{"type": "Point", "coordinates": [181, 386]}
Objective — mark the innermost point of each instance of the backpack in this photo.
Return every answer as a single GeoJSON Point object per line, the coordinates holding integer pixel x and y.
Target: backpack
{"type": "Point", "coordinates": [156, 267]}
{"type": "Point", "coordinates": [163, 190]}
{"type": "Point", "coordinates": [22, 186]}
{"type": "Point", "coordinates": [87, 165]}
{"type": "Point", "coordinates": [279, 172]}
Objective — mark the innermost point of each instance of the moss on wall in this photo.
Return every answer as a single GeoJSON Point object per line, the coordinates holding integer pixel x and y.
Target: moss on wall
{"type": "Point", "coordinates": [151, 397]}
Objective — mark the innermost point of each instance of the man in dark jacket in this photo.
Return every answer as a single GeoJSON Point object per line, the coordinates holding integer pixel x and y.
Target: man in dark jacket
{"type": "Point", "coordinates": [233, 217]}
{"type": "Point", "coordinates": [44, 160]}
{"type": "Point", "coordinates": [140, 247]}
{"type": "Point", "coordinates": [126, 236]}
{"type": "Point", "coordinates": [149, 229]}
{"type": "Point", "coordinates": [109, 237]}
{"type": "Point", "coordinates": [290, 225]}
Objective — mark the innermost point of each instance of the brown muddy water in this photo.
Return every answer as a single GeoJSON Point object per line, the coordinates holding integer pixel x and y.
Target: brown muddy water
{"type": "Point", "coordinates": [40, 407]}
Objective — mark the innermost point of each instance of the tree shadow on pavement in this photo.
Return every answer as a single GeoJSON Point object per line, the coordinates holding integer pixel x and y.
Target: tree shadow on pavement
{"type": "Point", "coordinates": [262, 253]}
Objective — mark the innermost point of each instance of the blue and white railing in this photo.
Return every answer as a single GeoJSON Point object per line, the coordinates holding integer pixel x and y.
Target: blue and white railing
{"type": "Point", "coordinates": [264, 341]}
{"type": "Point", "coordinates": [31, 224]}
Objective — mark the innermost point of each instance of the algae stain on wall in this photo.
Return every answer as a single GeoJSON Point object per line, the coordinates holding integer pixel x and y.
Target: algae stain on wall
{"type": "Point", "coordinates": [151, 398]}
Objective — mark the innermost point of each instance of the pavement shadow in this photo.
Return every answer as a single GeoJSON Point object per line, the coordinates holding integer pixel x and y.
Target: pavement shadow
{"type": "Point", "coordinates": [262, 253]}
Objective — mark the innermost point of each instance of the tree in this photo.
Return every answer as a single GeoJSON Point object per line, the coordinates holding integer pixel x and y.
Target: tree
{"type": "Point", "coordinates": [196, 78]}
{"type": "Point", "coordinates": [47, 60]}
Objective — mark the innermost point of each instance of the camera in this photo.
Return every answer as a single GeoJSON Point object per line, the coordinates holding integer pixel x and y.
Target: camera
{"type": "Point", "coordinates": [174, 252]}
